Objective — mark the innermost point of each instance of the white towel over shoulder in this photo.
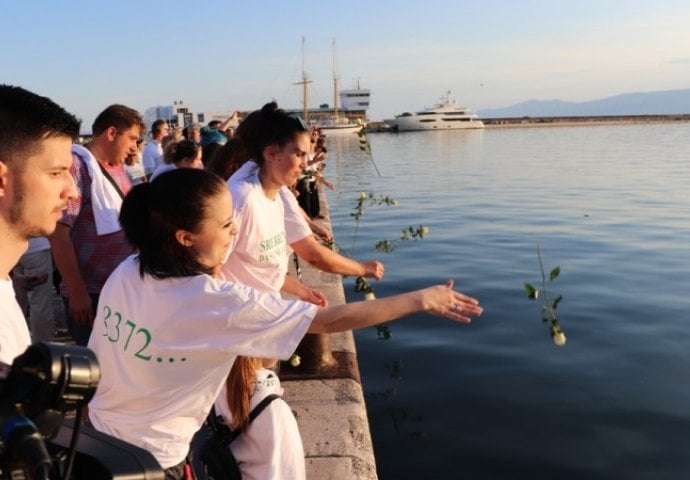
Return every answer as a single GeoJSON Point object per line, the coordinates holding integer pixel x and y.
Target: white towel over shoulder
{"type": "Point", "coordinates": [105, 200]}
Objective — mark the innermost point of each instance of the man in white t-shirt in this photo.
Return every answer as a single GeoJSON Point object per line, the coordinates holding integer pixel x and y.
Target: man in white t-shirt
{"type": "Point", "coordinates": [36, 137]}
{"type": "Point", "coordinates": [153, 151]}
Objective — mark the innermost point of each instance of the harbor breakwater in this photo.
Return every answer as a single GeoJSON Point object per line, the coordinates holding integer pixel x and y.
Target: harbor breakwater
{"type": "Point", "coordinates": [565, 121]}
{"type": "Point", "coordinates": [584, 120]}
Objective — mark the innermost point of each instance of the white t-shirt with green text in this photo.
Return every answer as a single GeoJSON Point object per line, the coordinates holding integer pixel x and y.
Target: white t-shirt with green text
{"type": "Point", "coordinates": [166, 346]}
{"type": "Point", "coordinates": [259, 256]}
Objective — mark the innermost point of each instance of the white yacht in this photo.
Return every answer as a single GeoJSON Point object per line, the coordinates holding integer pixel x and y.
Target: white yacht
{"type": "Point", "coordinates": [445, 115]}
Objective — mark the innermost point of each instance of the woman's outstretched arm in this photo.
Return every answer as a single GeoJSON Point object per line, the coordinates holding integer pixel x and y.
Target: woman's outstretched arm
{"type": "Point", "coordinates": [440, 300]}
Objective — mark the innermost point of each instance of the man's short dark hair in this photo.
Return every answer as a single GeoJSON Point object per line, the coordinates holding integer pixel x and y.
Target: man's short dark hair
{"type": "Point", "coordinates": [119, 116]}
{"type": "Point", "coordinates": [157, 126]}
{"type": "Point", "coordinates": [26, 118]}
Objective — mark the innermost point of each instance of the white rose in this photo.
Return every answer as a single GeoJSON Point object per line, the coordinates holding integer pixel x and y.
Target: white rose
{"type": "Point", "coordinates": [369, 296]}
{"type": "Point", "coordinates": [559, 338]}
{"type": "Point", "coordinates": [362, 196]}
{"type": "Point", "coordinates": [295, 360]}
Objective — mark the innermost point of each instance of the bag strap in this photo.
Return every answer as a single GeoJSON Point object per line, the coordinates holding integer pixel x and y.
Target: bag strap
{"type": "Point", "coordinates": [111, 179]}
{"type": "Point", "coordinates": [225, 435]}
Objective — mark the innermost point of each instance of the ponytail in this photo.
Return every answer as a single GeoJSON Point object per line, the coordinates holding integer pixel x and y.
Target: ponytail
{"type": "Point", "coordinates": [152, 213]}
{"type": "Point", "coordinates": [240, 387]}
{"type": "Point", "coordinates": [135, 215]}
{"type": "Point", "coordinates": [274, 127]}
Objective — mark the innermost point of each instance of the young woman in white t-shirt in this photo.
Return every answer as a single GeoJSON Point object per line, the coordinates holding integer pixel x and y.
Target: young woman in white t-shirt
{"type": "Point", "coordinates": [169, 327]}
{"type": "Point", "coordinates": [270, 447]}
{"type": "Point", "coordinates": [279, 145]}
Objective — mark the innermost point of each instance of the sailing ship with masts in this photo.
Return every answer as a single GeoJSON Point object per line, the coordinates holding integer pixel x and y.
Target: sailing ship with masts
{"type": "Point", "coordinates": [349, 110]}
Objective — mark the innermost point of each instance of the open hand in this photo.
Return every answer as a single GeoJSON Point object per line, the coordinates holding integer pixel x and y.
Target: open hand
{"type": "Point", "coordinates": [443, 301]}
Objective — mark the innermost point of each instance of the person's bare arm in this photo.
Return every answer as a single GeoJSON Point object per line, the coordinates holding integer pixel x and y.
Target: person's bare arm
{"type": "Point", "coordinates": [66, 262]}
{"type": "Point", "coordinates": [231, 121]}
{"type": "Point", "coordinates": [440, 300]}
{"type": "Point", "coordinates": [327, 260]}
{"type": "Point", "coordinates": [318, 230]}
{"type": "Point", "coordinates": [304, 292]}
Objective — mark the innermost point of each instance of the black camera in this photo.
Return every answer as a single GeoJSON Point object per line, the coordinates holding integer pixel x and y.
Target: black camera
{"type": "Point", "coordinates": [41, 400]}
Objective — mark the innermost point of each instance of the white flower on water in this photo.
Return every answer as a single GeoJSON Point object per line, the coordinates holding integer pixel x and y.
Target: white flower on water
{"type": "Point", "coordinates": [424, 231]}
{"type": "Point", "coordinates": [369, 296]}
{"type": "Point", "coordinates": [295, 360]}
{"type": "Point", "coordinates": [363, 195]}
{"type": "Point", "coordinates": [559, 338]}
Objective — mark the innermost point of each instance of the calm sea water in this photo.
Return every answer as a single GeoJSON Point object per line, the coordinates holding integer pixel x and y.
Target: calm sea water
{"type": "Point", "coordinates": [496, 399]}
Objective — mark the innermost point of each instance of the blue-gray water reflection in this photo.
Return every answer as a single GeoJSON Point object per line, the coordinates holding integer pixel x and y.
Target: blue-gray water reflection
{"type": "Point", "coordinates": [497, 399]}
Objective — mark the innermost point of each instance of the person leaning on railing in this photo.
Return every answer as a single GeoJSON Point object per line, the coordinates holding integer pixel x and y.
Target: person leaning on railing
{"type": "Point", "coordinates": [169, 326]}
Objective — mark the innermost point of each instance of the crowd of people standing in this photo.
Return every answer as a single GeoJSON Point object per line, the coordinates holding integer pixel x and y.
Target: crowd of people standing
{"type": "Point", "coordinates": [175, 278]}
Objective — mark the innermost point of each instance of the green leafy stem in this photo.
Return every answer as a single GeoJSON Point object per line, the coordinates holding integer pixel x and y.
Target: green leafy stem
{"type": "Point", "coordinates": [387, 246]}
{"type": "Point", "coordinates": [409, 233]}
{"type": "Point", "coordinates": [548, 309]}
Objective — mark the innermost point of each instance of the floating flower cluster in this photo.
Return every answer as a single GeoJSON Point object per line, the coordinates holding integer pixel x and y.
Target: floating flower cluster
{"type": "Point", "coordinates": [548, 310]}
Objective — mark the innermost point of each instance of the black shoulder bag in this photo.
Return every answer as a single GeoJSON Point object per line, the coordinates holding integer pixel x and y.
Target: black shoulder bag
{"type": "Point", "coordinates": [209, 456]}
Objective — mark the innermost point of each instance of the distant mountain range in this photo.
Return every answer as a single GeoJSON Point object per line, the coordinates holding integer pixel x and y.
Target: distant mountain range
{"type": "Point", "coordinates": [644, 103]}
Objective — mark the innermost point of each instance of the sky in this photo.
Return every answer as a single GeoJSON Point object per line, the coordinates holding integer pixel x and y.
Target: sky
{"type": "Point", "coordinates": [227, 55]}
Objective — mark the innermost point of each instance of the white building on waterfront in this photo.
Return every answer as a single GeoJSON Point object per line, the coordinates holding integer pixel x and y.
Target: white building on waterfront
{"type": "Point", "coordinates": [353, 104]}
{"type": "Point", "coordinates": [177, 114]}
{"type": "Point", "coordinates": [180, 115]}
{"type": "Point", "coordinates": [354, 99]}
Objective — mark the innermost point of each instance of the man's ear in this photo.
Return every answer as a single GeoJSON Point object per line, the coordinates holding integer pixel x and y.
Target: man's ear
{"type": "Point", "coordinates": [111, 133]}
{"type": "Point", "coordinates": [4, 178]}
{"type": "Point", "coordinates": [184, 238]}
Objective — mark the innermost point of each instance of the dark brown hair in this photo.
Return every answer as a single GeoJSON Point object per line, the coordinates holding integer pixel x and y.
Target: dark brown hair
{"type": "Point", "coordinates": [227, 159]}
{"type": "Point", "coordinates": [177, 151]}
{"type": "Point", "coordinates": [27, 118]}
{"type": "Point", "coordinates": [152, 212]}
{"type": "Point", "coordinates": [118, 116]}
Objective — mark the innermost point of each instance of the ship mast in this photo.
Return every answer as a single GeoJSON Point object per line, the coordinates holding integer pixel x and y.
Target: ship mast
{"type": "Point", "coordinates": [335, 86]}
{"type": "Point", "coordinates": [304, 82]}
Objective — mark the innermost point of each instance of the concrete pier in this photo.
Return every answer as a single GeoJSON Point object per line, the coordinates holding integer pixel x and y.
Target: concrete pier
{"type": "Point", "coordinates": [330, 408]}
